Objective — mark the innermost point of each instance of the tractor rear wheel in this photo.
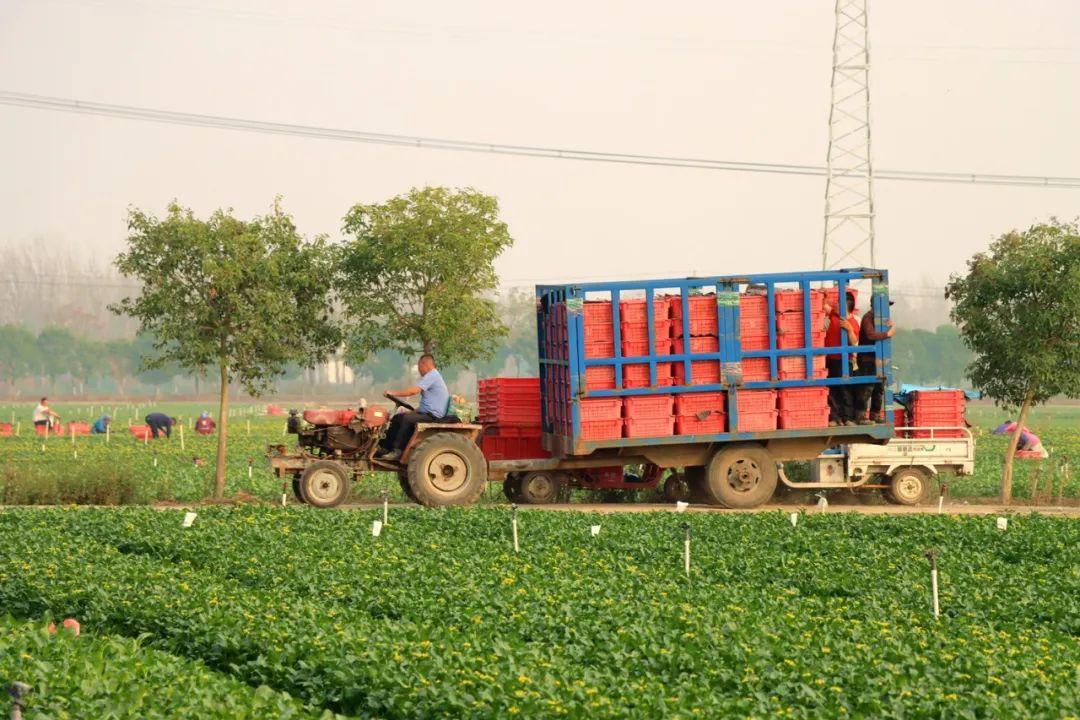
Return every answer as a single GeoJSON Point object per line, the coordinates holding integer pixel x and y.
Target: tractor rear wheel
{"type": "Point", "coordinates": [447, 468]}
{"type": "Point", "coordinates": [324, 484]}
{"type": "Point", "coordinates": [908, 486]}
{"type": "Point", "coordinates": [742, 476]}
{"type": "Point", "coordinates": [403, 481]}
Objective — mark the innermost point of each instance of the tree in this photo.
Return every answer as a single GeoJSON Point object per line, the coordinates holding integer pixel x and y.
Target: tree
{"type": "Point", "coordinates": [1018, 309]}
{"type": "Point", "coordinates": [19, 354]}
{"type": "Point", "coordinates": [418, 275]}
{"type": "Point", "coordinates": [244, 297]}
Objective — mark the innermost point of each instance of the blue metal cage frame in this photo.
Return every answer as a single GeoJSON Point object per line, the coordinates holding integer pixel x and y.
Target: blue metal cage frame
{"type": "Point", "coordinates": [730, 355]}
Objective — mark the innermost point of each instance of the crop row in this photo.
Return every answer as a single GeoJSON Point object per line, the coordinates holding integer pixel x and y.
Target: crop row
{"type": "Point", "coordinates": [437, 617]}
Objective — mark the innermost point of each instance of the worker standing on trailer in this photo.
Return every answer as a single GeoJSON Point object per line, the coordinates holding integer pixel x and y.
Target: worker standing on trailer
{"type": "Point", "coordinates": [434, 403]}
{"type": "Point", "coordinates": [875, 394]}
{"type": "Point", "coordinates": [45, 415]}
{"type": "Point", "coordinates": [160, 423]}
{"type": "Point", "coordinates": [841, 399]}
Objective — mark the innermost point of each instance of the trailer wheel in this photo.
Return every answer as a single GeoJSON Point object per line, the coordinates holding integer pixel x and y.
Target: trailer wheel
{"type": "Point", "coordinates": [447, 468]}
{"type": "Point", "coordinates": [324, 484]}
{"type": "Point", "coordinates": [696, 486]}
{"type": "Point", "coordinates": [512, 487]}
{"type": "Point", "coordinates": [743, 476]}
{"type": "Point", "coordinates": [297, 490]}
{"type": "Point", "coordinates": [908, 486]}
{"type": "Point", "coordinates": [540, 488]}
{"type": "Point", "coordinates": [676, 487]}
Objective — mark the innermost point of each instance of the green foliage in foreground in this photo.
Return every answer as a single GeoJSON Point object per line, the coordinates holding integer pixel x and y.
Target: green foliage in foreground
{"type": "Point", "coordinates": [439, 618]}
{"type": "Point", "coordinates": [115, 677]}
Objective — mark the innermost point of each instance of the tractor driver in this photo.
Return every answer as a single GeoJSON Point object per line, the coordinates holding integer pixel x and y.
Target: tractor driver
{"type": "Point", "coordinates": [434, 402]}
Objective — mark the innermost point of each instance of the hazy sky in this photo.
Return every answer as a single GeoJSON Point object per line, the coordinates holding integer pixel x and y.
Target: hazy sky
{"type": "Point", "coordinates": [961, 85]}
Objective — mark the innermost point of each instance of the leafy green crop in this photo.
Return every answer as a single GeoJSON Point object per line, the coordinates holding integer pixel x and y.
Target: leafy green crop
{"type": "Point", "coordinates": [438, 617]}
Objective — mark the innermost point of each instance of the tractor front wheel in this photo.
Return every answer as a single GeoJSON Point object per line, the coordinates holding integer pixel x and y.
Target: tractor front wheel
{"type": "Point", "coordinates": [324, 484]}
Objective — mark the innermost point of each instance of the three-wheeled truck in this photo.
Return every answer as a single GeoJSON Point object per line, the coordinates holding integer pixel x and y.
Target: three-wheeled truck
{"type": "Point", "coordinates": [734, 463]}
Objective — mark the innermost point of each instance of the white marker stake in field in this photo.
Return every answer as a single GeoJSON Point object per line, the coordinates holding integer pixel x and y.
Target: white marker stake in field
{"type": "Point", "coordinates": [822, 504]}
{"type": "Point", "coordinates": [189, 518]}
{"type": "Point", "coordinates": [376, 528]}
{"type": "Point", "coordinates": [681, 506]}
{"type": "Point", "coordinates": [181, 437]}
{"type": "Point", "coordinates": [385, 507]}
{"type": "Point", "coordinates": [594, 529]}
{"type": "Point", "coordinates": [1002, 524]}
{"type": "Point", "coordinates": [108, 429]}
{"type": "Point", "coordinates": [686, 548]}
{"type": "Point", "coordinates": [940, 504]}
{"type": "Point", "coordinates": [513, 527]}
{"type": "Point", "coordinates": [794, 518]}
{"type": "Point", "coordinates": [931, 555]}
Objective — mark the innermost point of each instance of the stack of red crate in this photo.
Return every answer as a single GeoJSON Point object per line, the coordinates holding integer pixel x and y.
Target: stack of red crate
{"type": "Point", "coordinates": [803, 407]}
{"type": "Point", "coordinates": [510, 413]}
{"type": "Point", "coordinates": [648, 416]}
{"type": "Point", "coordinates": [601, 418]}
{"type": "Point", "coordinates": [790, 320]}
{"type": "Point", "coordinates": [937, 408]}
{"type": "Point", "coordinates": [754, 335]}
{"type": "Point", "coordinates": [757, 410]}
{"type": "Point", "coordinates": [701, 413]}
{"type": "Point", "coordinates": [634, 334]}
{"type": "Point", "coordinates": [703, 339]}
{"type": "Point", "coordinates": [831, 295]}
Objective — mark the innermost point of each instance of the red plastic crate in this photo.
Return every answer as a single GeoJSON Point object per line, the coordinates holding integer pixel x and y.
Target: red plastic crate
{"type": "Point", "coordinates": [641, 407]}
{"type": "Point", "coordinates": [702, 307]}
{"type": "Point", "coordinates": [755, 370]}
{"type": "Point", "coordinates": [631, 311]}
{"type": "Point", "coordinates": [794, 364]}
{"type": "Point", "coordinates": [702, 372]}
{"type": "Point", "coordinates": [509, 384]}
{"type": "Point", "coordinates": [793, 322]}
{"type": "Point", "coordinates": [791, 340]}
{"type": "Point", "coordinates": [517, 431]}
{"type": "Point", "coordinates": [599, 349]}
{"type": "Point", "coordinates": [753, 306]}
{"type": "Point", "coordinates": [601, 409]}
{"type": "Point", "coordinates": [752, 401]}
{"type": "Point", "coordinates": [937, 433]}
{"type": "Point", "coordinates": [639, 332]}
{"type": "Point", "coordinates": [803, 419]}
{"type": "Point", "coordinates": [6, 430]}
{"type": "Point", "coordinates": [649, 427]}
{"type": "Point", "coordinates": [641, 349]}
{"type": "Point", "coordinates": [77, 428]}
{"type": "Point", "coordinates": [693, 425]}
{"type": "Point", "coordinates": [793, 300]}
{"type": "Point", "coordinates": [600, 378]}
{"type": "Point", "coordinates": [754, 342]}
{"type": "Point", "coordinates": [695, 402]}
{"type": "Point", "coordinates": [810, 398]}
{"type": "Point", "coordinates": [595, 312]}
{"type": "Point", "coordinates": [510, 415]}
{"type": "Point", "coordinates": [831, 295]}
{"type": "Point", "coordinates": [637, 376]}
{"type": "Point", "coordinates": [698, 327]}
{"type": "Point", "coordinates": [599, 333]}
{"type": "Point", "coordinates": [899, 417]}
{"type": "Point", "coordinates": [757, 421]}
{"type": "Point", "coordinates": [702, 344]}
{"type": "Point", "coordinates": [601, 429]}
{"type": "Point", "coordinates": [754, 325]}
{"type": "Point", "coordinates": [141, 432]}
{"type": "Point", "coordinates": [801, 375]}
{"type": "Point", "coordinates": [497, 447]}
{"type": "Point", "coordinates": [946, 399]}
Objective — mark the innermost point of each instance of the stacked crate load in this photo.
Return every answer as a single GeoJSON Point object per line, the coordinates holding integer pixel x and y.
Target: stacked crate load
{"type": "Point", "coordinates": [599, 336]}
{"type": "Point", "coordinates": [648, 416]}
{"type": "Point", "coordinates": [937, 409]}
{"type": "Point", "coordinates": [510, 414]}
{"type": "Point", "coordinates": [754, 335]}
{"type": "Point", "coordinates": [634, 336]}
{"type": "Point", "coordinates": [700, 413]}
{"type": "Point", "coordinates": [808, 407]}
{"type": "Point", "coordinates": [703, 339]}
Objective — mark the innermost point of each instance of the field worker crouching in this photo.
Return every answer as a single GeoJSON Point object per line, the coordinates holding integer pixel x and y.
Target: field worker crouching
{"type": "Point", "coordinates": [205, 425]}
{"type": "Point", "coordinates": [101, 425]}
{"type": "Point", "coordinates": [44, 416]}
{"type": "Point", "coordinates": [160, 423]}
{"type": "Point", "coordinates": [434, 403]}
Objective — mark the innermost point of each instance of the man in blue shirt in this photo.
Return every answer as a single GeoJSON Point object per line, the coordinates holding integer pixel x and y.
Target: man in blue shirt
{"type": "Point", "coordinates": [434, 403]}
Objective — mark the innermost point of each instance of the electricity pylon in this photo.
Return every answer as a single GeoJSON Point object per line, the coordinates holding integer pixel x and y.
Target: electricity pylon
{"type": "Point", "coordinates": [849, 184]}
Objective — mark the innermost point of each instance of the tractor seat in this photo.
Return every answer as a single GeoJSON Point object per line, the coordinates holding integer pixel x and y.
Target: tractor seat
{"type": "Point", "coordinates": [447, 419]}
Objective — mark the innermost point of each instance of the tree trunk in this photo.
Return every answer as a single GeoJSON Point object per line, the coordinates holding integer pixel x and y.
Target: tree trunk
{"type": "Point", "coordinates": [429, 346]}
{"type": "Point", "coordinates": [223, 421]}
{"type": "Point", "coordinates": [1010, 453]}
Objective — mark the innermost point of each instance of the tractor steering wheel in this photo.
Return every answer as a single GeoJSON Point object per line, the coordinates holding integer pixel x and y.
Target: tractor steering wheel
{"type": "Point", "coordinates": [399, 402]}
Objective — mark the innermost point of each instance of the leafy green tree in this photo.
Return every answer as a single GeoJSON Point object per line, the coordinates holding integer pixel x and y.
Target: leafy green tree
{"type": "Point", "coordinates": [417, 274]}
{"type": "Point", "coordinates": [57, 347]}
{"type": "Point", "coordinates": [19, 354]}
{"type": "Point", "coordinates": [1018, 309]}
{"type": "Point", "coordinates": [244, 297]}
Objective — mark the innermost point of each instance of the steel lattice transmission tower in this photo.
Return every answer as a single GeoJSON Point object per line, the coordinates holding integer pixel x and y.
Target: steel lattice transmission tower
{"type": "Point", "coordinates": [849, 186]}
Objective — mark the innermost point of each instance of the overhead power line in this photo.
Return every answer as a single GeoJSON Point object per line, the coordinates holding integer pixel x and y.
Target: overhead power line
{"type": "Point", "coordinates": [361, 136]}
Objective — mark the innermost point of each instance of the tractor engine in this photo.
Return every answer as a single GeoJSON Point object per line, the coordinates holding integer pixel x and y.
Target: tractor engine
{"type": "Point", "coordinates": [338, 432]}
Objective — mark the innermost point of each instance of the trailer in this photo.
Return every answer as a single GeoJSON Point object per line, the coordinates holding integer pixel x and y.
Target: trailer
{"type": "Point", "coordinates": [711, 382]}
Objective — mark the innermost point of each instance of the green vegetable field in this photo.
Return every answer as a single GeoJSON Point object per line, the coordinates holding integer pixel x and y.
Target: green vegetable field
{"type": "Point", "coordinates": [128, 471]}
{"type": "Point", "coordinates": [272, 612]}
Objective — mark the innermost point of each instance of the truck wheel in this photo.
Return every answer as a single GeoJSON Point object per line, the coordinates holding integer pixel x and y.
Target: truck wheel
{"type": "Point", "coordinates": [743, 476]}
{"type": "Point", "coordinates": [676, 488]}
{"type": "Point", "coordinates": [324, 484]}
{"type": "Point", "coordinates": [447, 469]}
{"type": "Point", "coordinates": [297, 490]}
{"type": "Point", "coordinates": [512, 487]}
{"type": "Point", "coordinates": [908, 486]}
{"type": "Point", "coordinates": [540, 488]}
